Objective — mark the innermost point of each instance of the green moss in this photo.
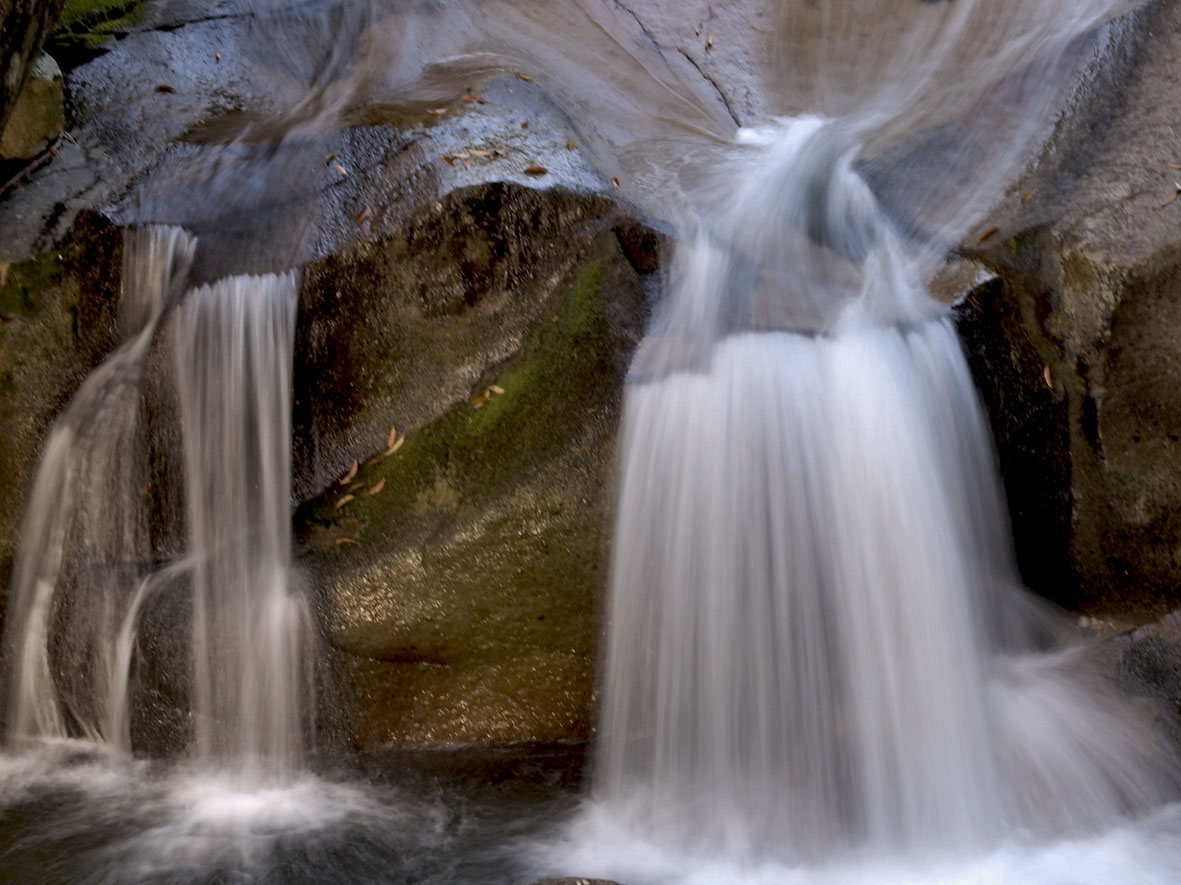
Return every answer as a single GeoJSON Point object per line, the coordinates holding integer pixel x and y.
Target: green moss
{"type": "Point", "coordinates": [472, 454]}
{"type": "Point", "coordinates": [85, 24]}
{"type": "Point", "coordinates": [24, 283]}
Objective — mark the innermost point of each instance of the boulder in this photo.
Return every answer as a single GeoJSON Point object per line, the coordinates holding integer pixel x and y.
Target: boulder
{"type": "Point", "coordinates": [39, 114]}
{"type": "Point", "coordinates": [480, 358]}
{"type": "Point", "coordinates": [1082, 367]}
{"type": "Point", "coordinates": [24, 25]}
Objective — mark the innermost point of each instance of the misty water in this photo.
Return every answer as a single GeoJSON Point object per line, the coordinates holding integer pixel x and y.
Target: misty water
{"type": "Point", "coordinates": [819, 663]}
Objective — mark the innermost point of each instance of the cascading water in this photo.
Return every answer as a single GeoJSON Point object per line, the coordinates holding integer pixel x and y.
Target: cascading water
{"type": "Point", "coordinates": [86, 569]}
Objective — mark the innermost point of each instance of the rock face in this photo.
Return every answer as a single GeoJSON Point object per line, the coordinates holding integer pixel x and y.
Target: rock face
{"type": "Point", "coordinates": [1087, 343]}
{"type": "Point", "coordinates": [24, 25]}
{"type": "Point", "coordinates": [39, 114]}
{"type": "Point", "coordinates": [458, 572]}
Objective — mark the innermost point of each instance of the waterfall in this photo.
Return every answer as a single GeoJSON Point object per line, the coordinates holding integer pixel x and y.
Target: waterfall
{"type": "Point", "coordinates": [250, 630]}
{"type": "Point", "coordinates": [817, 639]}
{"type": "Point", "coordinates": [89, 562]}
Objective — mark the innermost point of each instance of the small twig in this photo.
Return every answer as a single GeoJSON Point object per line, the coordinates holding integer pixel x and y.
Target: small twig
{"type": "Point", "coordinates": [33, 165]}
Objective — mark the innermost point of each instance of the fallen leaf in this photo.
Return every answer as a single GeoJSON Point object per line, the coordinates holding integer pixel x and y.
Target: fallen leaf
{"type": "Point", "coordinates": [525, 124]}
{"type": "Point", "coordinates": [341, 541]}
{"type": "Point", "coordinates": [1049, 378]}
{"type": "Point", "coordinates": [536, 170]}
{"type": "Point", "coordinates": [615, 181]}
{"type": "Point", "coordinates": [377, 488]}
{"type": "Point", "coordinates": [164, 87]}
{"type": "Point", "coordinates": [356, 487]}
{"type": "Point", "coordinates": [697, 30]}
{"type": "Point", "coordinates": [988, 233]}
{"type": "Point", "coordinates": [521, 75]}
{"type": "Point", "coordinates": [329, 158]}
{"type": "Point", "coordinates": [709, 42]}
{"type": "Point", "coordinates": [217, 56]}
{"type": "Point", "coordinates": [348, 477]}
{"type": "Point", "coordinates": [571, 145]}
{"type": "Point", "coordinates": [449, 161]}
{"type": "Point", "coordinates": [478, 402]}
{"type": "Point", "coordinates": [473, 99]}
{"type": "Point", "coordinates": [340, 169]}
{"type": "Point", "coordinates": [496, 388]}
{"type": "Point", "coordinates": [363, 216]}
{"type": "Point", "coordinates": [343, 501]}
{"type": "Point", "coordinates": [460, 155]}
{"type": "Point", "coordinates": [476, 153]}
{"type": "Point", "coordinates": [393, 436]}
{"type": "Point", "coordinates": [436, 112]}
{"type": "Point", "coordinates": [397, 445]}
{"type": "Point", "coordinates": [1027, 196]}
{"type": "Point", "coordinates": [1176, 167]}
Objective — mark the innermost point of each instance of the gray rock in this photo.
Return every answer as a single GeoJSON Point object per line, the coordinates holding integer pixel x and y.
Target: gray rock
{"type": "Point", "coordinates": [1089, 253]}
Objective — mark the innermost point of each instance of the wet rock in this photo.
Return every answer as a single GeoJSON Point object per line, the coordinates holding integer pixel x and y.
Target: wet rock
{"type": "Point", "coordinates": [57, 321]}
{"type": "Point", "coordinates": [458, 572]}
{"type": "Point", "coordinates": [575, 881]}
{"type": "Point", "coordinates": [38, 115]}
{"type": "Point", "coordinates": [1089, 251]}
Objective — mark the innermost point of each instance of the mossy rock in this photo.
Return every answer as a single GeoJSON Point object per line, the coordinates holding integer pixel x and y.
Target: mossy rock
{"type": "Point", "coordinates": [87, 24]}
{"type": "Point", "coordinates": [459, 576]}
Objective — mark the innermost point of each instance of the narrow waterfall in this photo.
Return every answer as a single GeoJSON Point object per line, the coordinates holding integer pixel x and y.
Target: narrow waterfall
{"type": "Point", "coordinates": [84, 542]}
{"type": "Point", "coordinates": [250, 630]}
{"type": "Point", "coordinates": [88, 567]}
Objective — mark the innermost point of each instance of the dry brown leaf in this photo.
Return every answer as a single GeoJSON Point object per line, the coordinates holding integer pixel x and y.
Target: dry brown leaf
{"type": "Point", "coordinates": [343, 501]}
{"type": "Point", "coordinates": [536, 170]}
{"type": "Point", "coordinates": [449, 161]}
{"type": "Point", "coordinates": [709, 42]}
{"type": "Point", "coordinates": [340, 170]}
{"type": "Point", "coordinates": [348, 477]}
{"type": "Point", "coordinates": [473, 99]}
{"type": "Point", "coordinates": [164, 87]}
{"type": "Point", "coordinates": [377, 488]}
{"type": "Point", "coordinates": [615, 181]}
{"type": "Point", "coordinates": [397, 445]}
{"type": "Point", "coordinates": [496, 388]}
{"type": "Point", "coordinates": [363, 215]}
{"type": "Point", "coordinates": [476, 153]}
{"type": "Point", "coordinates": [392, 437]}
{"type": "Point", "coordinates": [436, 112]}
{"type": "Point", "coordinates": [1027, 196]}
{"type": "Point", "coordinates": [525, 124]}
{"type": "Point", "coordinates": [521, 75]}
{"type": "Point", "coordinates": [329, 158]}
{"type": "Point", "coordinates": [988, 233]}
{"type": "Point", "coordinates": [341, 541]}
{"type": "Point", "coordinates": [1049, 378]}
{"type": "Point", "coordinates": [1176, 167]}
{"type": "Point", "coordinates": [571, 145]}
